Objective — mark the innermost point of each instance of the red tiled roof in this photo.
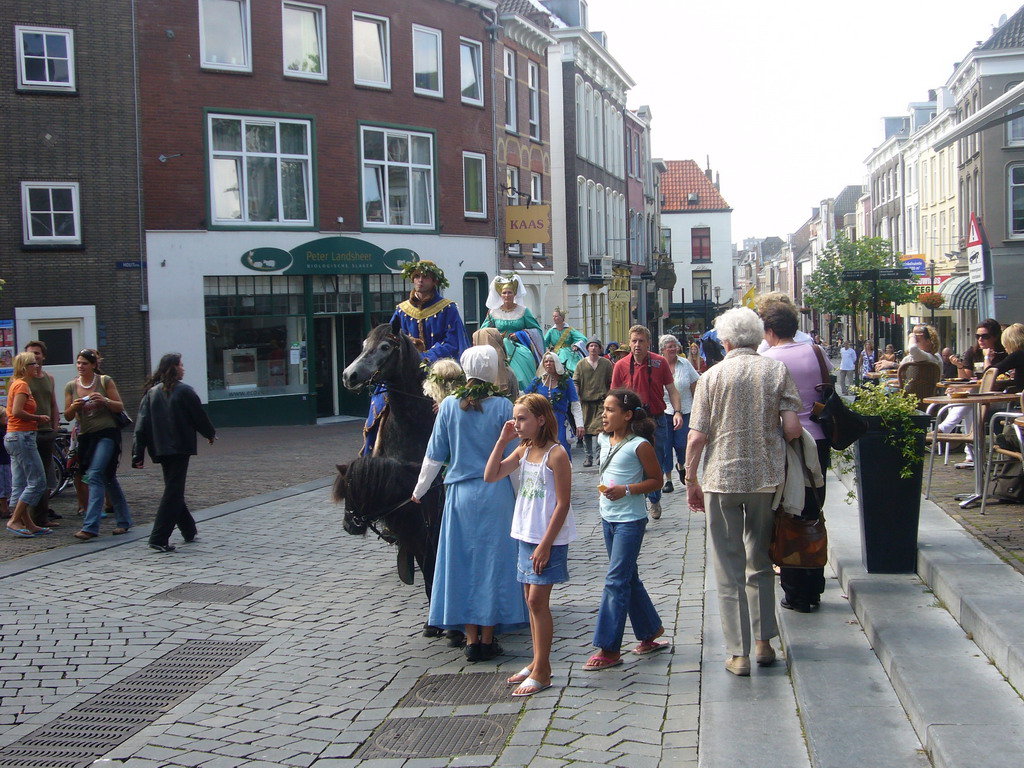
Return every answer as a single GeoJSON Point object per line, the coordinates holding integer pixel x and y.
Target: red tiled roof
{"type": "Point", "coordinates": [683, 178]}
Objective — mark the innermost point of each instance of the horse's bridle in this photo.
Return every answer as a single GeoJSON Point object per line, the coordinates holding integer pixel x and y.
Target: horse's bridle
{"type": "Point", "coordinates": [368, 520]}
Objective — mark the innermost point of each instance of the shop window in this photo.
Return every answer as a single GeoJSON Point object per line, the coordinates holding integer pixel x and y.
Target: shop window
{"type": "Point", "coordinates": [255, 331]}
{"type": "Point", "coordinates": [371, 50]}
{"type": "Point", "coordinates": [50, 213]}
{"type": "Point", "coordinates": [398, 178]}
{"type": "Point", "coordinates": [46, 58]}
{"type": "Point", "coordinates": [303, 40]}
{"type": "Point", "coordinates": [260, 170]}
{"type": "Point", "coordinates": [471, 63]}
{"type": "Point", "coordinates": [474, 298]}
{"type": "Point", "coordinates": [427, 71]}
{"type": "Point", "coordinates": [224, 38]}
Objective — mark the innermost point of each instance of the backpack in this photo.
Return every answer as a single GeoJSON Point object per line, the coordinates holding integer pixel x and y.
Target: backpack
{"type": "Point", "coordinates": [1007, 481]}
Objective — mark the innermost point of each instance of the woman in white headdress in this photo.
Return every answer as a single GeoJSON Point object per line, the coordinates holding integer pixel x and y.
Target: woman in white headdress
{"type": "Point", "coordinates": [507, 312]}
{"type": "Point", "coordinates": [475, 589]}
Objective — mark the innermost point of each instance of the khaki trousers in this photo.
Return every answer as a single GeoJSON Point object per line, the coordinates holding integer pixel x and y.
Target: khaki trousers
{"type": "Point", "coordinates": [740, 526]}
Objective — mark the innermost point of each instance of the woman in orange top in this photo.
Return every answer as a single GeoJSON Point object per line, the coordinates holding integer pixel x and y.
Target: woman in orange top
{"type": "Point", "coordinates": [28, 478]}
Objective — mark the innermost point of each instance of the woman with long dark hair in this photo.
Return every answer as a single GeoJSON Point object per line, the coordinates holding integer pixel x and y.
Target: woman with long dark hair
{"type": "Point", "coordinates": [170, 415]}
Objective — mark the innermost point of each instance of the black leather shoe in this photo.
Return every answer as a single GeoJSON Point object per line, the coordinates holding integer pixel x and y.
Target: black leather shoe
{"type": "Point", "coordinates": [474, 652]}
{"type": "Point", "coordinates": [668, 487]}
{"type": "Point", "coordinates": [681, 470]}
{"type": "Point", "coordinates": [589, 462]}
{"type": "Point", "coordinates": [162, 547]}
{"type": "Point", "coordinates": [798, 607]}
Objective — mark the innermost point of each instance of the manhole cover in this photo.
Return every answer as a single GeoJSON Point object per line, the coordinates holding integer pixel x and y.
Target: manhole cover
{"type": "Point", "coordinates": [103, 721]}
{"type": "Point", "coordinates": [439, 736]}
{"type": "Point", "coordinates": [206, 593]}
{"type": "Point", "coordinates": [470, 688]}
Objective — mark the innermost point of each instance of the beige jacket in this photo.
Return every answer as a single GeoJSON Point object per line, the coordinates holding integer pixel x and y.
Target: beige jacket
{"type": "Point", "coordinates": [789, 494]}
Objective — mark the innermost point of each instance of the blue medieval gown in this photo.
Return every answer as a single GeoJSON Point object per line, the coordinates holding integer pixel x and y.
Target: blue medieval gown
{"type": "Point", "coordinates": [439, 328]}
{"type": "Point", "coordinates": [475, 576]}
{"type": "Point", "coordinates": [561, 398]}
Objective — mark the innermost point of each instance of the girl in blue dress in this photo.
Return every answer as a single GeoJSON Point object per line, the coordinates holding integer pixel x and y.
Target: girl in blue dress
{"type": "Point", "coordinates": [557, 386]}
{"type": "Point", "coordinates": [475, 586]}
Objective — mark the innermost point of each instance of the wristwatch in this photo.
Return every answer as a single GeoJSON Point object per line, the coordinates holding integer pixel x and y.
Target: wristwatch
{"type": "Point", "coordinates": [689, 481]}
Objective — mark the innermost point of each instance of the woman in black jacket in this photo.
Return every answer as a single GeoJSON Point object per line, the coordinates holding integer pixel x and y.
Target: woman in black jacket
{"type": "Point", "coordinates": [169, 417]}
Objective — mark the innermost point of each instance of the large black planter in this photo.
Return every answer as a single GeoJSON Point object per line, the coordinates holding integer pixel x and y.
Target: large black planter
{"type": "Point", "coordinates": [889, 505]}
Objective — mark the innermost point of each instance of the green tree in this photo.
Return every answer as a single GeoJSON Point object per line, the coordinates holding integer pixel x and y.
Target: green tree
{"type": "Point", "coordinates": [826, 290]}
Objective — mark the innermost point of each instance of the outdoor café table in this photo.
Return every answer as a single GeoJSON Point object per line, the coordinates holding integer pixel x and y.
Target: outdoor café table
{"type": "Point", "coordinates": [979, 402]}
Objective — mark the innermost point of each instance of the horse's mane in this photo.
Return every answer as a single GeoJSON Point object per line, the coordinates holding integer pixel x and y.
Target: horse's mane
{"type": "Point", "coordinates": [372, 482]}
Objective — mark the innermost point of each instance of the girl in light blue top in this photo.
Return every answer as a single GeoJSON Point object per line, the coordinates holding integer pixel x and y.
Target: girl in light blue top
{"type": "Point", "coordinates": [629, 471]}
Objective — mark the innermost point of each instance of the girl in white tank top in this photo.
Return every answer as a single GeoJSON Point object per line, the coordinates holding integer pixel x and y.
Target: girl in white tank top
{"type": "Point", "coordinates": [543, 522]}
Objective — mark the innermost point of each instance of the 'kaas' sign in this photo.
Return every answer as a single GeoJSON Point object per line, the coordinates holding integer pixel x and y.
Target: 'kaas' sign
{"type": "Point", "coordinates": [527, 224]}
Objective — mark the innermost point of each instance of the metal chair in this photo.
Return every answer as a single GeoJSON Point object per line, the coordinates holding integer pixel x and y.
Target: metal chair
{"type": "Point", "coordinates": [935, 437]}
{"type": "Point", "coordinates": [995, 450]}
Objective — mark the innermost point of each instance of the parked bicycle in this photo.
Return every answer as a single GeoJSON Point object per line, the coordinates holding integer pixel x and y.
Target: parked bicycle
{"type": "Point", "coordinates": [61, 452]}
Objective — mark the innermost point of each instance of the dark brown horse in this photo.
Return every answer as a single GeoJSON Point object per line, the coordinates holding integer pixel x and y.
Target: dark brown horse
{"type": "Point", "coordinates": [377, 488]}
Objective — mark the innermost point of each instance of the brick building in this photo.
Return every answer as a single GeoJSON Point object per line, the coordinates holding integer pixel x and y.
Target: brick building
{"type": "Point", "coordinates": [294, 155]}
{"type": "Point", "coordinates": [70, 228]}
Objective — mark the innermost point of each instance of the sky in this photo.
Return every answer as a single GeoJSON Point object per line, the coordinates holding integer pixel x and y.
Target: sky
{"type": "Point", "coordinates": [786, 97]}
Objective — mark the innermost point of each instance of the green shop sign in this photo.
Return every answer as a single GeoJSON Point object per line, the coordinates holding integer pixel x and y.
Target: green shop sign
{"type": "Point", "coordinates": [329, 256]}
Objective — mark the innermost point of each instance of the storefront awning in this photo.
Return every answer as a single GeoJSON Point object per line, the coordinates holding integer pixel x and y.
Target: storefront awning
{"type": "Point", "coordinates": [960, 293]}
{"type": "Point", "coordinates": [991, 114]}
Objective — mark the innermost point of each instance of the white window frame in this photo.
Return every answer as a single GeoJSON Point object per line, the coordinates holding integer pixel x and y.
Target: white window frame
{"type": "Point", "coordinates": [246, 30]}
{"type": "Point", "coordinates": [383, 24]}
{"type": "Point", "coordinates": [482, 160]}
{"type": "Point", "coordinates": [512, 198]}
{"type": "Point", "coordinates": [244, 154]}
{"type": "Point", "coordinates": [26, 213]}
{"type": "Point", "coordinates": [320, 13]}
{"type": "Point", "coordinates": [509, 81]}
{"type": "Point", "coordinates": [533, 86]}
{"type": "Point", "coordinates": [477, 49]}
{"type": "Point", "coordinates": [536, 198]}
{"type": "Point", "coordinates": [1010, 186]}
{"type": "Point", "coordinates": [439, 51]}
{"type": "Point", "coordinates": [45, 85]}
{"type": "Point", "coordinates": [365, 163]}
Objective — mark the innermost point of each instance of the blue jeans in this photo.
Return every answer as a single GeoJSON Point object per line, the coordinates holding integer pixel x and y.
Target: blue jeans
{"type": "Point", "coordinates": [28, 478]}
{"type": "Point", "coordinates": [624, 594]}
{"type": "Point", "coordinates": [676, 441]}
{"type": "Point", "coordinates": [99, 486]}
{"type": "Point", "coordinates": [662, 434]}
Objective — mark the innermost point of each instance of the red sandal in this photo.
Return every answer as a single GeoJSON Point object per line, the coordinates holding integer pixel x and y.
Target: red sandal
{"type": "Point", "coordinates": [599, 661]}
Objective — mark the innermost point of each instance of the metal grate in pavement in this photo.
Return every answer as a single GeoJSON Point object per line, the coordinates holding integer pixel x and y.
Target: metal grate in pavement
{"type": "Point", "coordinates": [97, 725]}
{"type": "Point", "coordinates": [194, 592]}
{"type": "Point", "coordinates": [469, 688]}
{"type": "Point", "coordinates": [410, 737]}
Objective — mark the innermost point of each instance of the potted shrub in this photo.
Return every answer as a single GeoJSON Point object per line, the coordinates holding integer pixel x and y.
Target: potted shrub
{"type": "Point", "coordinates": [931, 299]}
{"type": "Point", "coordinates": [889, 462]}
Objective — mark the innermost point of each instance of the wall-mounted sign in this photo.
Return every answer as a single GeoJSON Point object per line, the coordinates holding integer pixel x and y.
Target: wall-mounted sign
{"type": "Point", "coordinates": [329, 256]}
{"type": "Point", "coordinates": [915, 263]}
{"type": "Point", "coordinates": [526, 224]}
{"type": "Point", "coordinates": [975, 252]}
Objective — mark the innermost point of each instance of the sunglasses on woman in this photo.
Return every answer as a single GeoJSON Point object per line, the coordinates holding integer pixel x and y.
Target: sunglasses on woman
{"type": "Point", "coordinates": [983, 335]}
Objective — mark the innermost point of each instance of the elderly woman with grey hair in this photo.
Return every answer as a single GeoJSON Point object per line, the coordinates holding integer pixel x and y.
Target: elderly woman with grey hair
{"type": "Point", "coordinates": [744, 411]}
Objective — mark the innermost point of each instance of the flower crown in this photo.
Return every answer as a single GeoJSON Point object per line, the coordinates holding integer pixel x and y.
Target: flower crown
{"type": "Point", "coordinates": [427, 268]}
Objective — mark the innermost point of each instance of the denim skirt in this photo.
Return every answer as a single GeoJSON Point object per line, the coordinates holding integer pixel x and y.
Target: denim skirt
{"type": "Point", "coordinates": [555, 572]}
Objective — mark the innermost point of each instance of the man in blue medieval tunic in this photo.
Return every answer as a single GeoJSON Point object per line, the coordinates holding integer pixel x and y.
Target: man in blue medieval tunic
{"type": "Point", "coordinates": [435, 326]}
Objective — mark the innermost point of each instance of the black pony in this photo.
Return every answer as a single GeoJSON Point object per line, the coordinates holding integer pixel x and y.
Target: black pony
{"type": "Point", "coordinates": [377, 489]}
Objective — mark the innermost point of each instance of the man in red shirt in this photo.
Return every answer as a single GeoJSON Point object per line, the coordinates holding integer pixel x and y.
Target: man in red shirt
{"type": "Point", "coordinates": [649, 375]}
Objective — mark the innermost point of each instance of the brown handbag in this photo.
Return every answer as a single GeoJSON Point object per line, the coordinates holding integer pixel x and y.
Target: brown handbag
{"type": "Point", "coordinates": [797, 541]}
